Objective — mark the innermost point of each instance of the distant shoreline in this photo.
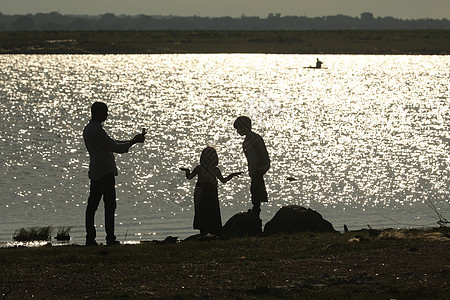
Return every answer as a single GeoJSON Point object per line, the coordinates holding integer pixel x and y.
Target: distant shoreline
{"type": "Point", "coordinates": [383, 42]}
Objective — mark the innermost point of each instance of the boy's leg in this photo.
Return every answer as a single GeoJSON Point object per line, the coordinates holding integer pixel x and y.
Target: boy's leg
{"type": "Point", "coordinates": [258, 192]}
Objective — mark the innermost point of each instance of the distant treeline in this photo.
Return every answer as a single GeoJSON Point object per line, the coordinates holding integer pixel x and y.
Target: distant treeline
{"type": "Point", "coordinates": [428, 42]}
{"type": "Point", "coordinates": [57, 21]}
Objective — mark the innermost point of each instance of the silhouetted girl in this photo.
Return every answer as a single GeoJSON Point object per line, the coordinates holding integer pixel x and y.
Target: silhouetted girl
{"type": "Point", "coordinates": [206, 200]}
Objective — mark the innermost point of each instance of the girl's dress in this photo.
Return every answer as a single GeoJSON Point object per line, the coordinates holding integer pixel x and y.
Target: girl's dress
{"type": "Point", "coordinates": [207, 217]}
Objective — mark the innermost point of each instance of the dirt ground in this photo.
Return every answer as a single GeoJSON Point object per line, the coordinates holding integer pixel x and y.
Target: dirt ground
{"type": "Point", "coordinates": [399, 269]}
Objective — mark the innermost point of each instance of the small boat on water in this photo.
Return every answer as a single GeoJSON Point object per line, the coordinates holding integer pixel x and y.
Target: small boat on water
{"type": "Point", "coordinates": [318, 65]}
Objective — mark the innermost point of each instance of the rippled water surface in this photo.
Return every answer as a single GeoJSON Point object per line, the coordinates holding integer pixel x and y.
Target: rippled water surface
{"type": "Point", "coordinates": [367, 137]}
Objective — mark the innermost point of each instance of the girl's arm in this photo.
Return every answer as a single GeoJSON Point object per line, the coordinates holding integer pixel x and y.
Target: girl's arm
{"type": "Point", "coordinates": [189, 174]}
{"type": "Point", "coordinates": [228, 178]}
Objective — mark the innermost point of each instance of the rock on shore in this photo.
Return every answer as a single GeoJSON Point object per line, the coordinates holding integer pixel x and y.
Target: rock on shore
{"type": "Point", "coordinates": [294, 218]}
{"type": "Point", "coordinates": [242, 224]}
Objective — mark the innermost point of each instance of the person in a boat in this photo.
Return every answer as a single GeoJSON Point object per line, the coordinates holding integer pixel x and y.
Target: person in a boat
{"type": "Point", "coordinates": [318, 64]}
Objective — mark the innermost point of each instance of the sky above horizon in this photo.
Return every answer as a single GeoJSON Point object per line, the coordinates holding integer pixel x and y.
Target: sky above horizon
{"type": "Point", "coordinates": [402, 9]}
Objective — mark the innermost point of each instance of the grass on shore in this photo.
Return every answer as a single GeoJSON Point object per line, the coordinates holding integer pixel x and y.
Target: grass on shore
{"type": "Point", "coordinates": [36, 234]}
{"type": "Point", "coordinates": [33, 234]}
{"type": "Point", "coordinates": [285, 42]}
{"type": "Point", "coordinates": [406, 264]}
{"type": "Point", "coordinates": [63, 233]}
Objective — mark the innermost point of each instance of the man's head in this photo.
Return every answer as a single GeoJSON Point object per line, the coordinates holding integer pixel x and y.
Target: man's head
{"type": "Point", "coordinates": [99, 112]}
{"type": "Point", "coordinates": [243, 125]}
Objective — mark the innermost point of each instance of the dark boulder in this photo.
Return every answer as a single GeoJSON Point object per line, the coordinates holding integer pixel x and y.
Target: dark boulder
{"type": "Point", "coordinates": [294, 218]}
{"type": "Point", "coordinates": [242, 224]}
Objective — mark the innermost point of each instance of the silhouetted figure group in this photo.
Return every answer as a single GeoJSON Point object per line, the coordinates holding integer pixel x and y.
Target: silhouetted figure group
{"type": "Point", "coordinates": [206, 201]}
{"type": "Point", "coordinates": [207, 218]}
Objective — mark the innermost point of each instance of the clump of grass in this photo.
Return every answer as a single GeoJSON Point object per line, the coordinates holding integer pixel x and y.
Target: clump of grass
{"type": "Point", "coordinates": [33, 234]}
{"type": "Point", "coordinates": [63, 233]}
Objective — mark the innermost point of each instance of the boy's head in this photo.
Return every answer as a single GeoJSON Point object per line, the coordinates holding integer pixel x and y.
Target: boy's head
{"type": "Point", "coordinates": [243, 125]}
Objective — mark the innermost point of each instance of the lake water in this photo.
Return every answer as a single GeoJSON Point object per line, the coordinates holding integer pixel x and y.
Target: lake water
{"type": "Point", "coordinates": [367, 137]}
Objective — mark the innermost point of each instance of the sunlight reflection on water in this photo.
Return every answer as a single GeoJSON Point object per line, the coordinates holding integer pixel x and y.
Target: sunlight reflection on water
{"type": "Point", "coordinates": [367, 136]}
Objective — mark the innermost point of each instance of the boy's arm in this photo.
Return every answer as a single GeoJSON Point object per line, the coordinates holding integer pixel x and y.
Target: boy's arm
{"type": "Point", "coordinates": [257, 155]}
{"type": "Point", "coordinates": [252, 160]}
{"type": "Point", "coordinates": [252, 155]}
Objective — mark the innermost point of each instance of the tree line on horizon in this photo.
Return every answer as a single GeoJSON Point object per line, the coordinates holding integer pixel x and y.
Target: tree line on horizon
{"type": "Point", "coordinates": [56, 21]}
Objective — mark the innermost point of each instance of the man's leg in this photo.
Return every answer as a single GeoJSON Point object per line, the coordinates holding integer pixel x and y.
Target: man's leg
{"type": "Point", "coordinates": [109, 197]}
{"type": "Point", "coordinates": [95, 194]}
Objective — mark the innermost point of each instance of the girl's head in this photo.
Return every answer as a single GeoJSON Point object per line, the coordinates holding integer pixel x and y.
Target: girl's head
{"type": "Point", "coordinates": [209, 157]}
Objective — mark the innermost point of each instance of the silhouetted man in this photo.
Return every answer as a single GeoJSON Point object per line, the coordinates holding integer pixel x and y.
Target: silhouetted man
{"type": "Point", "coordinates": [258, 162]}
{"type": "Point", "coordinates": [102, 169]}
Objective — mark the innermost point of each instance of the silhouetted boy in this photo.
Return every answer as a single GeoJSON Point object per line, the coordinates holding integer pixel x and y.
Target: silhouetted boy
{"type": "Point", "coordinates": [258, 162]}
